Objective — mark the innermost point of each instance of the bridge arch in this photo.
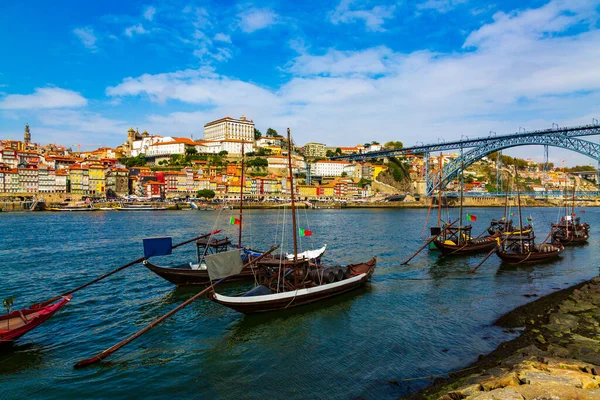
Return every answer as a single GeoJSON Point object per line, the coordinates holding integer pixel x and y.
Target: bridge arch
{"type": "Point", "coordinates": [452, 169]}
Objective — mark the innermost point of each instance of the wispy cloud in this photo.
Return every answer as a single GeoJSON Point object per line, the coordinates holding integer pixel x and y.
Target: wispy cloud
{"type": "Point", "coordinates": [135, 29]}
{"type": "Point", "coordinates": [221, 37]}
{"type": "Point", "coordinates": [149, 13]}
{"type": "Point", "coordinates": [50, 97]}
{"type": "Point", "coordinates": [373, 18]}
{"type": "Point", "coordinates": [87, 37]}
{"type": "Point", "coordinates": [442, 6]}
{"type": "Point", "coordinates": [255, 19]}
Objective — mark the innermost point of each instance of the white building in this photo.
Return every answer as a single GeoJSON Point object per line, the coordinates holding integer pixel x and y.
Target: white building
{"type": "Point", "coordinates": [229, 128]}
{"type": "Point", "coordinates": [176, 146]}
{"type": "Point", "coordinates": [231, 146]}
{"type": "Point", "coordinates": [330, 168]}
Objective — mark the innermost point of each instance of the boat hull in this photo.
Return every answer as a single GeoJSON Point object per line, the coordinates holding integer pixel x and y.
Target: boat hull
{"type": "Point", "coordinates": [528, 258]}
{"type": "Point", "coordinates": [300, 297]}
{"type": "Point", "coordinates": [35, 317]}
{"type": "Point", "coordinates": [190, 277]}
{"type": "Point", "coordinates": [453, 250]}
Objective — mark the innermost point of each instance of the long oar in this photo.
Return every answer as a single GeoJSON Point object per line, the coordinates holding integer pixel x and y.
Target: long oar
{"type": "Point", "coordinates": [486, 257]}
{"type": "Point", "coordinates": [129, 264]}
{"type": "Point", "coordinates": [429, 241]}
{"type": "Point", "coordinates": [110, 350]}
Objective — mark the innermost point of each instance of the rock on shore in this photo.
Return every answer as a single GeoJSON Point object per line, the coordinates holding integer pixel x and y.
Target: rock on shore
{"type": "Point", "coordinates": [556, 357]}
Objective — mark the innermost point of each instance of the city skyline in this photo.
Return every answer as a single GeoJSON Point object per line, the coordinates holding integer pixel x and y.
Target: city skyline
{"type": "Point", "coordinates": [342, 73]}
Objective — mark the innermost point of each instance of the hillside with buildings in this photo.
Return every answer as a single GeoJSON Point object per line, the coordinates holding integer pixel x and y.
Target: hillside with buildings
{"type": "Point", "coordinates": [162, 167]}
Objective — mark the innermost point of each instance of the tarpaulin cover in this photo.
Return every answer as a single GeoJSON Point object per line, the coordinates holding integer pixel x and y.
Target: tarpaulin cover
{"type": "Point", "coordinates": [224, 264]}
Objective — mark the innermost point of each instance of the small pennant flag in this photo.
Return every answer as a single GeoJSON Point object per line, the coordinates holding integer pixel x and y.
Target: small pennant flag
{"type": "Point", "coordinates": [512, 214]}
{"type": "Point", "coordinates": [305, 232]}
{"type": "Point", "coordinates": [471, 217]}
{"type": "Point", "coordinates": [573, 214]}
{"type": "Point", "coordinates": [583, 211]}
{"type": "Point", "coordinates": [529, 219]}
{"type": "Point", "coordinates": [234, 221]}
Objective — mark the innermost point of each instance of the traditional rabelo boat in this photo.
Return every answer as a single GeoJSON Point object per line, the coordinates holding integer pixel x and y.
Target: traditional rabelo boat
{"type": "Point", "coordinates": [457, 240]}
{"type": "Point", "coordinates": [285, 283]}
{"type": "Point", "coordinates": [197, 273]}
{"type": "Point", "coordinates": [18, 323]}
{"type": "Point", "coordinates": [570, 230]}
{"type": "Point", "coordinates": [520, 247]}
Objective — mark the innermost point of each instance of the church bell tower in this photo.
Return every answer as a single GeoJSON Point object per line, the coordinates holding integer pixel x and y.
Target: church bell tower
{"type": "Point", "coordinates": [27, 134]}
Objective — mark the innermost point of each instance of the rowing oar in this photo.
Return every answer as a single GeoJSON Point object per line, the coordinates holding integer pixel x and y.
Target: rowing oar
{"type": "Point", "coordinates": [129, 264]}
{"type": "Point", "coordinates": [486, 257]}
{"type": "Point", "coordinates": [429, 241]}
{"type": "Point", "coordinates": [109, 351]}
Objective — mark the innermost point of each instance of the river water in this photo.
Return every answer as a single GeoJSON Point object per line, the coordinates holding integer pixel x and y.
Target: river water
{"type": "Point", "coordinates": [427, 318]}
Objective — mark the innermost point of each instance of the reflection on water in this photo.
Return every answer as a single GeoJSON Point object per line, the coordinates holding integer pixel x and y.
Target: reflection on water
{"type": "Point", "coordinates": [428, 317]}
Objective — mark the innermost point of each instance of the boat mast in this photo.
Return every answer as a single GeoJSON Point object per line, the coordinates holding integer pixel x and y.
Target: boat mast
{"type": "Point", "coordinates": [519, 205]}
{"type": "Point", "coordinates": [241, 199]}
{"type": "Point", "coordinates": [462, 185]}
{"type": "Point", "coordinates": [292, 195]}
{"type": "Point", "coordinates": [440, 192]}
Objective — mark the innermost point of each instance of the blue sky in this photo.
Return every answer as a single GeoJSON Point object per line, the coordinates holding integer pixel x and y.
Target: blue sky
{"type": "Point", "coordinates": [340, 72]}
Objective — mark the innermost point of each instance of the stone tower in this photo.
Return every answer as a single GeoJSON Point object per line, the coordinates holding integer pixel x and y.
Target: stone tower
{"type": "Point", "coordinates": [27, 134]}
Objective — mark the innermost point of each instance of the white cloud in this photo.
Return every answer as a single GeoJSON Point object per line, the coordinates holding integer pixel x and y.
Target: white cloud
{"type": "Point", "coordinates": [531, 79]}
{"type": "Point", "coordinates": [373, 18]}
{"type": "Point", "coordinates": [372, 61]}
{"type": "Point", "coordinates": [221, 37]}
{"type": "Point", "coordinates": [255, 19]}
{"type": "Point", "coordinates": [442, 6]}
{"type": "Point", "coordinates": [87, 36]}
{"type": "Point", "coordinates": [138, 29]}
{"type": "Point", "coordinates": [149, 13]}
{"type": "Point", "coordinates": [50, 97]}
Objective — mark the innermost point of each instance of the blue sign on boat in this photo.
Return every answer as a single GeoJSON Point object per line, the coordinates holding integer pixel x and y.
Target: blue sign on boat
{"type": "Point", "coordinates": [160, 246]}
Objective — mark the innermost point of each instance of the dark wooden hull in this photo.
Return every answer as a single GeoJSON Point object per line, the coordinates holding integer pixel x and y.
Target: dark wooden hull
{"type": "Point", "coordinates": [301, 296]}
{"type": "Point", "coordinates": [528, 258]}
{"type": "Point", "coordinates": [572, 240]}
{"type": "Point", "coordinates": [189, 277]}
{"type": "Point", "coordinates": [470, 248]}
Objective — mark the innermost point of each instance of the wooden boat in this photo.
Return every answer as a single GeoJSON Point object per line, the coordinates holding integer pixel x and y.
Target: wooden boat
{"type": "Point", "coordinates": [458, 241]}
{"type": "Point", "coordinates": [74, 208]}
{"type": "Point", "coordinates": [18, 323]}
{"type": "Point", "coordinates": [197, 273]}
{"type": "Point", "coordinates": [140, 207]}
{"type": "Point", "coordinates": [570, 232]}
{"type": "Point", "coordinates": [265, 297]}
{"type": "Point", "coordinates": [521, 249]}
{"type": "Point", "coordinates": [284, 283]}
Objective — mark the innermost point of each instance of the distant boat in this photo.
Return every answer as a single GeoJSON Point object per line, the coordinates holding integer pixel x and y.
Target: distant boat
{"type": "Point", "coordinates": [18, 323]}
{"type": "Point", "coordinates": [140, 207]}
{"type": "Point", "coordinates": [86, 207]}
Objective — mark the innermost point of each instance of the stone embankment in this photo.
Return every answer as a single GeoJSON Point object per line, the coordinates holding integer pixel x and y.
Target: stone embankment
{"type": "Point", "coordinates": [556, 357]}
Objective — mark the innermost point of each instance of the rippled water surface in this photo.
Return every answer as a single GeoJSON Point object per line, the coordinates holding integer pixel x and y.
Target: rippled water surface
{"type": "Point", "coordinates": [429, 317]}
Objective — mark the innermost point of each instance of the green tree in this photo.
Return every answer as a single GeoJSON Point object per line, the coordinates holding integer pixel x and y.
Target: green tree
{"type": "Point", "coordinates": [191, 151]}
{"type": "Point", "coordinates": [206, 193]}
{"type": "Point", "coordinates": [257, 134]}
{"type": "Point", "coordinates": [329, 153]}
{"type": "Point", "coordinates": [338, 151]}
{"type": "Point", "coordinates": [258, 162]}
{"type": "Point", "coordinates": [271, 132]}
{"type": "Point", "coordinates": [394, 145]}
{"type": "Point", "coordinates": [223, 153]}
{"type": "Point", "coordinates": [263, 152]}
{"type": "Point", "coordinates": [344, 174]}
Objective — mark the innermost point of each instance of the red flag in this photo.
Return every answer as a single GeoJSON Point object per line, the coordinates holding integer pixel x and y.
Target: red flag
{"type": "Point", "coordinates": [234, 221]}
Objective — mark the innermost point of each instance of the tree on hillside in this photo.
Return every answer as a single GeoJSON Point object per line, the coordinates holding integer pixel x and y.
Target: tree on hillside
{"type": "Point", "coordinates": [271, 132]}
{"type": "Point", "coordinates": [329, 153]}
{"type": "Point", "coordinates": [394, 145]}
{"type": "Point", "coordinates": [223, 153]}
{"type": "Point", "coordinates": [257, 134]}
{"type": "Point", "coordinates": [206, 193]}
{"type": "Point", "coordinates": [191, 151]}
{"type": "Point", "coordinates": [338, 151]}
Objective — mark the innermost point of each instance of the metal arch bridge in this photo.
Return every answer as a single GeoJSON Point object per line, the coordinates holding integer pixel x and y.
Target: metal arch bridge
{"type": "Point", "coordinates": [565, 137]}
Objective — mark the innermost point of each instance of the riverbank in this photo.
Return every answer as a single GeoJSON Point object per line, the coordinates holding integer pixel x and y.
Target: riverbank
{"type": "Point", "coordinates": [557, 356]}
{"type": "Point", "coordinates": [468, 202]}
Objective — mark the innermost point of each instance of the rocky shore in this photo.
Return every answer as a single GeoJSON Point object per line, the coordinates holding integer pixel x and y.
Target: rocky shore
{"type": "Point", "coordinates": [557, 356]}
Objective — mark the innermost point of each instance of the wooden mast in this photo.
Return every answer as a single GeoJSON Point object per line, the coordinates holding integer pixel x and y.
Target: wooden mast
{"type": "Point", "coordinates": [462, 186]}
{"type": "Point", "coordinates": [440, 192]}
{"type": "Point", "coordinates": [519, 205]}
{"type": "Point", "coordinates": [241, 199]}
{"type": "Point", "coordinates": [292, 195]}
